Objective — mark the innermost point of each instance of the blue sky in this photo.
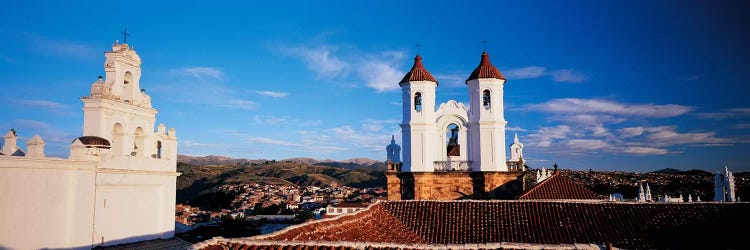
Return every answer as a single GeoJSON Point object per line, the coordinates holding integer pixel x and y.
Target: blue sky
{"type": "Point", "coordinates": [607, 85]}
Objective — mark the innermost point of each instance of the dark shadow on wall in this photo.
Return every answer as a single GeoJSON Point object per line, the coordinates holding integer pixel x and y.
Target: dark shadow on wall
{"type": "Point", "coordinates": [508, 191]}
{"type": "Point", "coordinates": [407, 186]}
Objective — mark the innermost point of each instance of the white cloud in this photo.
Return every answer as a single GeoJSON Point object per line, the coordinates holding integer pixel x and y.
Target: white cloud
{"type": "Point", "coordinates": [274, 94]}
{"type": "Point", "coordinates": [44, 104]}
{"type": "Point", "coordinates": [265, 140]}
{"type": "Point", "coordinates": [631, 131]}
{"type": "Point", "coordinates": [545, 136]}
{"type": "Point", "coordinates": [517, 129]}
{"type": "Point", "coordinates": [666, 136]}
{"type": "Point", "coordinates": [588, 119]}
{"type": "Point", "coordinates": [586, 144]}
{"type": "Point", "coordinates": [238, 104]}
{"type": "Point", "coordinates": [379, 71]}
{"type": "Point", "coordinates": [199, 72]}
{"type": "Point", "coordinates": [566, 75]}
{"type": "Point", "coordinates": [374, 125]}
{"type": "Point", "coordinates": [280, 120]}
{"type": "Point", "coordinates": [320, 60]}
{"type": "Point", "coordinates": [270, 120]}
{"type": "Point", "coordinates": [588, 106]}
{"type": "Point", "coordinates": [644, 151]}
{"type": "Point", "coordinates": [735, 113]}
{"type": "Point", "coordinates": [525, 73]}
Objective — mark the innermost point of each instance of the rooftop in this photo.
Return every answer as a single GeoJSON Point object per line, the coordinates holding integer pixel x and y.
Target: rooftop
{"type": "Point", "coordinates": [406, 224]}
{"type": "Point", "coordinates": [485, 70]}
{"type": "Point", "coordinates": [417, 73]}
{"type": "Point", "coordinates": [559, 187]}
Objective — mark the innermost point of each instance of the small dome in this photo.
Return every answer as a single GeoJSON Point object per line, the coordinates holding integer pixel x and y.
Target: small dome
{"type": "Point", "coordinates": [417, 73]}
{"type": "Point", "coordinates": [485, 70]}
{"type": "Point", "coordinates": [94, 141]}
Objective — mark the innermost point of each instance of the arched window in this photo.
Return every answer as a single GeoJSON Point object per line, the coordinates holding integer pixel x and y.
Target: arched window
{"type": "Point", "coordinates": [452, 146]}
{"type": "Point", "coordinates": [158, 149]}
{"type": "Point", "coordinates": [486, 98]}
{"type": "Point", "coordinates": [138, 145]}
{"type": "Point", "coordinates": [418, 101]}
{"type": "Point", "coordinates": [128, 86]}
{"type": "Point", "coordinates": [118, 142]}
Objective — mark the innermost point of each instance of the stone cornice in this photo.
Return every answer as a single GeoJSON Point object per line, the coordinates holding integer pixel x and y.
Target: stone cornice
{"type": "Point", "coordinates": [121, 105]}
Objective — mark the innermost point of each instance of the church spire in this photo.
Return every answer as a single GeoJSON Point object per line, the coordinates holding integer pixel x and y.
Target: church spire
{"type": "Point", "coordinates": [485, 70]}
{"type": "Point", "coordinates": [417, 73]}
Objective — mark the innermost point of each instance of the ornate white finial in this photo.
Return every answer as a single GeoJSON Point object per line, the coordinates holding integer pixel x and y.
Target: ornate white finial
{"type": "Point", "coordinates": [515, 139]}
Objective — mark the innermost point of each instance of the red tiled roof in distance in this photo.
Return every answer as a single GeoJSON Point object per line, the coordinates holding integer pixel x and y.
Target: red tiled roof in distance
{"type": "Point", "coordinates": [417, 73]}
{"type": "Point", "coordinates": [485, 70]}
{"type": "Point", "coordinates": [559, 187]}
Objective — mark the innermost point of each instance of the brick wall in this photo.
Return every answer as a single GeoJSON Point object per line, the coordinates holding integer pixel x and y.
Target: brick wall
{"type": "Point", "coordinates": [453, 185]}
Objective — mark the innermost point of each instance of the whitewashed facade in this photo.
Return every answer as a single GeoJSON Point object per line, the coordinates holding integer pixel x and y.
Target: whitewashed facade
{"type": "Point", "coordinates": [117, 185]}
{"type": "Point", "coordinates": [474, 135]}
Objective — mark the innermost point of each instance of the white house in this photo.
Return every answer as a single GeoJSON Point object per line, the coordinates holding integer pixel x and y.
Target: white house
{"type": "Point", "coordinates": [117, 185]}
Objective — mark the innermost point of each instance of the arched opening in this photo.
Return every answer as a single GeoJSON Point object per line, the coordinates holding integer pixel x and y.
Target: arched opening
{"type": "Point", "coordinates": [128, 86]}
{"type": "Point", "coordinates": [453, 148]}
{"type": "Point", "coordinates": [117, 140]}
{"type": "Point", "coordinates": [138, 145]}
{"type": "Point", "coordinates": [418, 102]}
{"type": "Point", "coordinates": [158, 149]}
{"type": "Point", "coordinates": [486, 99]}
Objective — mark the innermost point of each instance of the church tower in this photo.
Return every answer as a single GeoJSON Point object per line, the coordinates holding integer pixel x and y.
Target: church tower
{"type": "Point", "coordinates": [418, 126]}
{"type": "Point", "coordinates": [486, 119]}
{"type": "Point", "coordinates": [118, 109]}
{"type": "Point", "coordinates": [516, 149]}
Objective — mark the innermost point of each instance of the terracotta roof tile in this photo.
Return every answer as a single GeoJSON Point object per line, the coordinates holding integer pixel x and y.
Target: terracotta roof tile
{"type": "Point", "coordinates": [410, 224]}
{"type": "Point", "coordinates": [559, 187]}
{"type": "Point", "coordinates": [485, 70]}
{"type": "Point", "coordinates": [417, 73]}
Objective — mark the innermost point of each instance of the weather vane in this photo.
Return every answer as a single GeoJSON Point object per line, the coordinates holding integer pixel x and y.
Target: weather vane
{"type": "Point", "coordinates": [125, 35]}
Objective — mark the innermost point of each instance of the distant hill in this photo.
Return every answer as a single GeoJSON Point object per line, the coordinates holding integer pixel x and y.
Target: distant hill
{"type": "Point", "coordinates": [353, 163]}
{"type": "Point", "coordinates": [677, 171]}
{"type": "Point", "coordinates": [199, 181]}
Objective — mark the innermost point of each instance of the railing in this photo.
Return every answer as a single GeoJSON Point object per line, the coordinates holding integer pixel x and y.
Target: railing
{"type": "Point", "coordinates": [445, 166]}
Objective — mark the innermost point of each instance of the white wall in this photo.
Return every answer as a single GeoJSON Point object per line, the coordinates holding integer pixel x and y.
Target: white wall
{"type": "Point", "coordinates": [46, 203]}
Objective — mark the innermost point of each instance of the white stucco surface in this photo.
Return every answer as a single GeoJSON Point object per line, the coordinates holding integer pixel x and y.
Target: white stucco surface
{"type": "Point", "coordinates": [102, 194]}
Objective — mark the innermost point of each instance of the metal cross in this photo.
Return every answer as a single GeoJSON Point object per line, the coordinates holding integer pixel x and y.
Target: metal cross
{"type": "Point", "coordinates": [484, 45]}
{"type": "Point", "coordinates": [418, 45]}
{"type": "Point", "coordinates": [125, 35]}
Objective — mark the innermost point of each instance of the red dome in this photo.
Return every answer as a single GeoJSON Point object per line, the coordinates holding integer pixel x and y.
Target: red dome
{"type": "Point", "coordinates": [417, 73]}
{"type": "Point", "coordinates": [485, 70]}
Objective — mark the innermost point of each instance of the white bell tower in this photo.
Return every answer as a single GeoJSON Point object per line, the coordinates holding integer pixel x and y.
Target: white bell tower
{"type": "Point", "coordinates": [486, 119]}
{"type": "Point", "coordinates": [418, 126]}
{"type": "Point", "coordinates": [117, 109]}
